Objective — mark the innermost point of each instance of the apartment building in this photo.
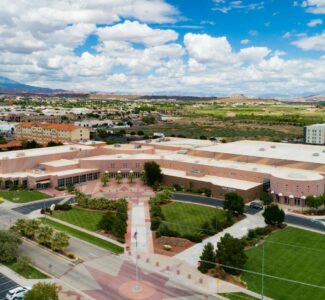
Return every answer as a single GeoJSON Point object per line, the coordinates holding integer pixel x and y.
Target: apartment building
{"type": "Point", "coordinates": [314, 134]}
{"type": "Point", "coordinates": [45, 132]}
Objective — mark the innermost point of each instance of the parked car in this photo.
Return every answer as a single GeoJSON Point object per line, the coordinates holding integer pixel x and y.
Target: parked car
{"type": "Point", "coordinates": [17, 293]}
{"type": "Point", "coordinates": [256, 205]}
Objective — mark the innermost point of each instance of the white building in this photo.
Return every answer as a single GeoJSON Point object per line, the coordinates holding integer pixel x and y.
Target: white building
{"type": "Point", "coordinates": [314, 134]}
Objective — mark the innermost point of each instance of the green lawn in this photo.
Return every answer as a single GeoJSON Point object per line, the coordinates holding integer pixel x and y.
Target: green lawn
{"type": "Point", "coordinates": [80, 217]}
{"type": "Point", "coordinates": [188, 218]}
{"type": "Point", "coordinates": [84, 236]}
{"type": "Point", "coordinates": [238, 296]}
{"type": "Point", "coordinates": [29, 273]}
{"type": "Point", "coordinates": [23, 196]}
{"type": "Point", "coordinates": [304, 261]}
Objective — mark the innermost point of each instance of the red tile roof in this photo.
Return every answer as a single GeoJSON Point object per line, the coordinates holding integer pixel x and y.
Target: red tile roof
{"type": "Point", "coordinates": [58, 126]}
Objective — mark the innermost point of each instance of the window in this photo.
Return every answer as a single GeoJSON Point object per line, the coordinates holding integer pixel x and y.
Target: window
{"type": "Point", "coordinates": [61, 182]}
{"type": "Point", "coordinates": [89, 177]}
{"type": "Point", "coordinates": [297, 201]}
{"type": "Point", "coordinates": [286, 200]}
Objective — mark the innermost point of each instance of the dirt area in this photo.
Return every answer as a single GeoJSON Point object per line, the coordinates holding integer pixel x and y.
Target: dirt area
{"type": "Point", "coordinates": [177, 245]}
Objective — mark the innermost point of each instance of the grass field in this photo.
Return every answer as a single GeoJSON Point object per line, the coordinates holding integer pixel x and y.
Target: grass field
{"type": "Point", "coordinates": [188, 218]}
{"type": "Point", "coordinates": [80, 217]}
{"type": "Point", "coordinates": [23, 196]}
{"type": "Point", "coordinates": [84, 236]}
{"type": "Point", "coordinates": [293, 254]}
{"type": "Point", "coordinates": [29, 273]}
{"type": "Point", "coordinates": [238, 296]}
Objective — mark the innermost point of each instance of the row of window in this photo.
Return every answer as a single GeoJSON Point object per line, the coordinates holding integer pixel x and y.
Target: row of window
{"type": "Point", "coordinates": [77, 179]}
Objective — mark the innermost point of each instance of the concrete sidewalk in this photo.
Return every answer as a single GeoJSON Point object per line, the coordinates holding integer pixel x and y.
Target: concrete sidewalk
{"type": "Point", "coordinates": [238, 230]}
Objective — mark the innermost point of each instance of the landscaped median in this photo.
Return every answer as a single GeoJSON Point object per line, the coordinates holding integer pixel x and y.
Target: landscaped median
{"type": "Point", "coordinates": [84, 236]}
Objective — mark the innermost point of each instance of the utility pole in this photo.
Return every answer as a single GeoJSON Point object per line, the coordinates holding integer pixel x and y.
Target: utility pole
{"type": "Point", "coordinates": [262, 291]}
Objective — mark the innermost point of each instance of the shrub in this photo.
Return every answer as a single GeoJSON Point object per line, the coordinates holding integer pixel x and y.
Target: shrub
{"type": "Point", "coordinates": [63, 207]}
{"type": "Point", "coordinates": [155, 222]}
{"type": "Point", "coordinates": [193, 237]}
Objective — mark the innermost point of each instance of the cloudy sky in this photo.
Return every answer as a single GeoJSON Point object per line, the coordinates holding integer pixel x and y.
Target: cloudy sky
{"type": "Point", "coordinates": [189, 47]}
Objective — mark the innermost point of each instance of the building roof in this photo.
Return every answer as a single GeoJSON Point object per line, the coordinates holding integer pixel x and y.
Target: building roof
{"type": "Point", "coordinates": [280, 151]}
{"type": "Point", "coordinates": [57, 126]}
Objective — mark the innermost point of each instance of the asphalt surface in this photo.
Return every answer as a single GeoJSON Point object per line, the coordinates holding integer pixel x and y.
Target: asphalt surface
{"type": "Point", "coordinates": [6, 284]}
{"type": "Point", "coordinates": [207, 201]}
{"type": "Point", "coordinates": [289, 219]}
{"type": "Point", "coordinates": [28, 208]}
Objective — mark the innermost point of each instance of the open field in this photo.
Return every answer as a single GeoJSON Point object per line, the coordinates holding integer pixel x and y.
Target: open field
{"type": "Point", "coordinates": [80, 217]}
{"type": "Point", "coordinates": [84, 236]}
{"type": "Point", "coordinates": [274, 122]}
{"type": "Point", "coordinates": [294, 254]}
{"type": "Point", "coordinates": [189, 218]}
{"type": "Point", "coordinates": [23, 196]}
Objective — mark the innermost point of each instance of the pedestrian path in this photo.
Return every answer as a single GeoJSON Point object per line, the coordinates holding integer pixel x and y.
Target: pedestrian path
{"type": "Point", "coordinates": [238, 230]}
{"type": "Point", "coordinates": [141, 237]}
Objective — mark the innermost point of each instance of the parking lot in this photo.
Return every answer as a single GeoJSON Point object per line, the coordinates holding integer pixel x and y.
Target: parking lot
{"type": "Point", "coordinates": [6, 284]}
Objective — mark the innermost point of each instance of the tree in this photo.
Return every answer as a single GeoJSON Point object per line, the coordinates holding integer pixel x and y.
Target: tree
{"type": "Point", "coordinates": [131, 177]}
{"type": "Point", "coordinates": [118, 178]}
{"type": "Point", "coordinates": [42, 291]}
{"type": "Point", "coordinates": [234, 203]}
{"type": "Point", "coordinates": [44, 234]}
{"type": "Point", "coordinates": [104, 178]}
{"type": "Point", "coordinates": [31, 227]}
{"type": "Point", "coordinates": [54, 144]}
{"type": "Point", "coordinates": [107, 221]}
{"type": "Point", "coordinates": [119, 228]}
{"type": "Point", "coordinates": [230, 252]}
{"type": "Point", "coordinates": [59, 241]}
{"type": "Point", "coordinates": [23, 264]}
{"type": "Point", "coordinates": [314, 202]}
{"type": "Point", "coordinates": [266, 198]}
{"type": "Point", "coordinates": [9, 242]}
{"type": "Point", "coordinates": [153, 174]}
{"type": "Point", "coordinates": [207, 258]}
{"type": "Point", "coordinates": [273, 215]}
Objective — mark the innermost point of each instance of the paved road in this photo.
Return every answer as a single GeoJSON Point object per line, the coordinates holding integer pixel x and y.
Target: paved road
{"type": "Point", "coordinates": [28, 208]}
{"type": "Point", "coordinates": [293, 220]}
{"type": "Point", "coordinates": [6, 284]}
{"type": "Point", "coordinates": [304, 222]}
{"type": "Point", "coordinates": [206, 201]}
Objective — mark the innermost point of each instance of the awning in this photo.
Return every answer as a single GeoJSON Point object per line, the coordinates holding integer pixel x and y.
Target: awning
{"type": "Point", "coordinates": [303, 197]}
{"type": "Point", "coordinates": [280, 194]}
{"type": "Point", "coordinates": [291, 196]}
{"type": "Point", "coordinates": [272, 192]}
{"type": "Point", "coordinates": [43, 181]}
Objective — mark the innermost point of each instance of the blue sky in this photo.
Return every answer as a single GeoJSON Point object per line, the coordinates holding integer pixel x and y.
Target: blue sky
{"type": "Point", "coordinates": [207, 47]}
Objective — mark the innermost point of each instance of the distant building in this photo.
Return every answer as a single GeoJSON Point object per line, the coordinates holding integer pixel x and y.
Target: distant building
{"type": "Point", "coordinates": [314, 134]}
{"type": "Point", "coordinates": [41, 118]}
{"type": "Point", "coordinates": [46, 132]}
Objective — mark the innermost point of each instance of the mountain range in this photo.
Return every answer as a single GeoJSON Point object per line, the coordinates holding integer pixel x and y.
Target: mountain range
{"type": "Point", "coordinates": [8, 86]}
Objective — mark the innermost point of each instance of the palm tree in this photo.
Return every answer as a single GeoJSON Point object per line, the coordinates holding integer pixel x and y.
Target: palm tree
{"type": "Point", "coordinates": [59, 241]}
{"type": "Point", "coordinates": [104, 178]}
{"type": "Point", "coordinates": [131, 176]}
{"type": "Point", "coordinates": [118, 178]}
{"type": "Point", "coordinates": [44, 234]}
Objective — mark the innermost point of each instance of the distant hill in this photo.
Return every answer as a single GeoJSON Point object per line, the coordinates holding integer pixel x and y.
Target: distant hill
{"type": "Point", "coordinates": [8, 86]}
{"type": "Point", "coordinates": [309, 99]}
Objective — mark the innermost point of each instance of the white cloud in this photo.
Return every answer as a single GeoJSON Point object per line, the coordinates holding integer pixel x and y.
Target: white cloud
{"type": "Point", "coordinates": [253, 33]}
{"type": "Point", "coordinates": [314, 6]}
{"type": "Point", "coordinates": [205, 48]}
{"type": "Point", "coordinates": [315, 22]}
{"type": "Point", "coordinates": [253, 54]}
{"type": "Point", "coordinates": [245, 41]}
{"type": "Point", "coordinates": [226, 6]}
{"type": "Point", "coordinates": [316, 42]}
{"type": "Point", "coordinates": [136, 32]}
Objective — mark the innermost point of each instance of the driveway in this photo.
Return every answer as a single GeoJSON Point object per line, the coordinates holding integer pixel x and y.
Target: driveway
{"type": "Point", "coordinates": [207, 201]}
{"type": "Point", "coordinates": [6, 284]}
{"type": "Point", "coordinates": [28, 208]}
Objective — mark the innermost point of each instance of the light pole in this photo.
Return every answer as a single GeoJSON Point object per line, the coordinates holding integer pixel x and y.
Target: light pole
{"type": "Point", "coordinates": [262, 291]}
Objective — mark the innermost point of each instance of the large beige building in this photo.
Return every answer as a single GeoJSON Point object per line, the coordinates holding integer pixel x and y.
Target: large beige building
{"type": "Point", "coordinates": [45, 132]}
{"type": "Point", "coordinates": [290, 172]}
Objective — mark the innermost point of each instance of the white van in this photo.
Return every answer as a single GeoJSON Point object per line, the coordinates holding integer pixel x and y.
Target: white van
{"type": "Point", "coordinates": [17, 293]}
